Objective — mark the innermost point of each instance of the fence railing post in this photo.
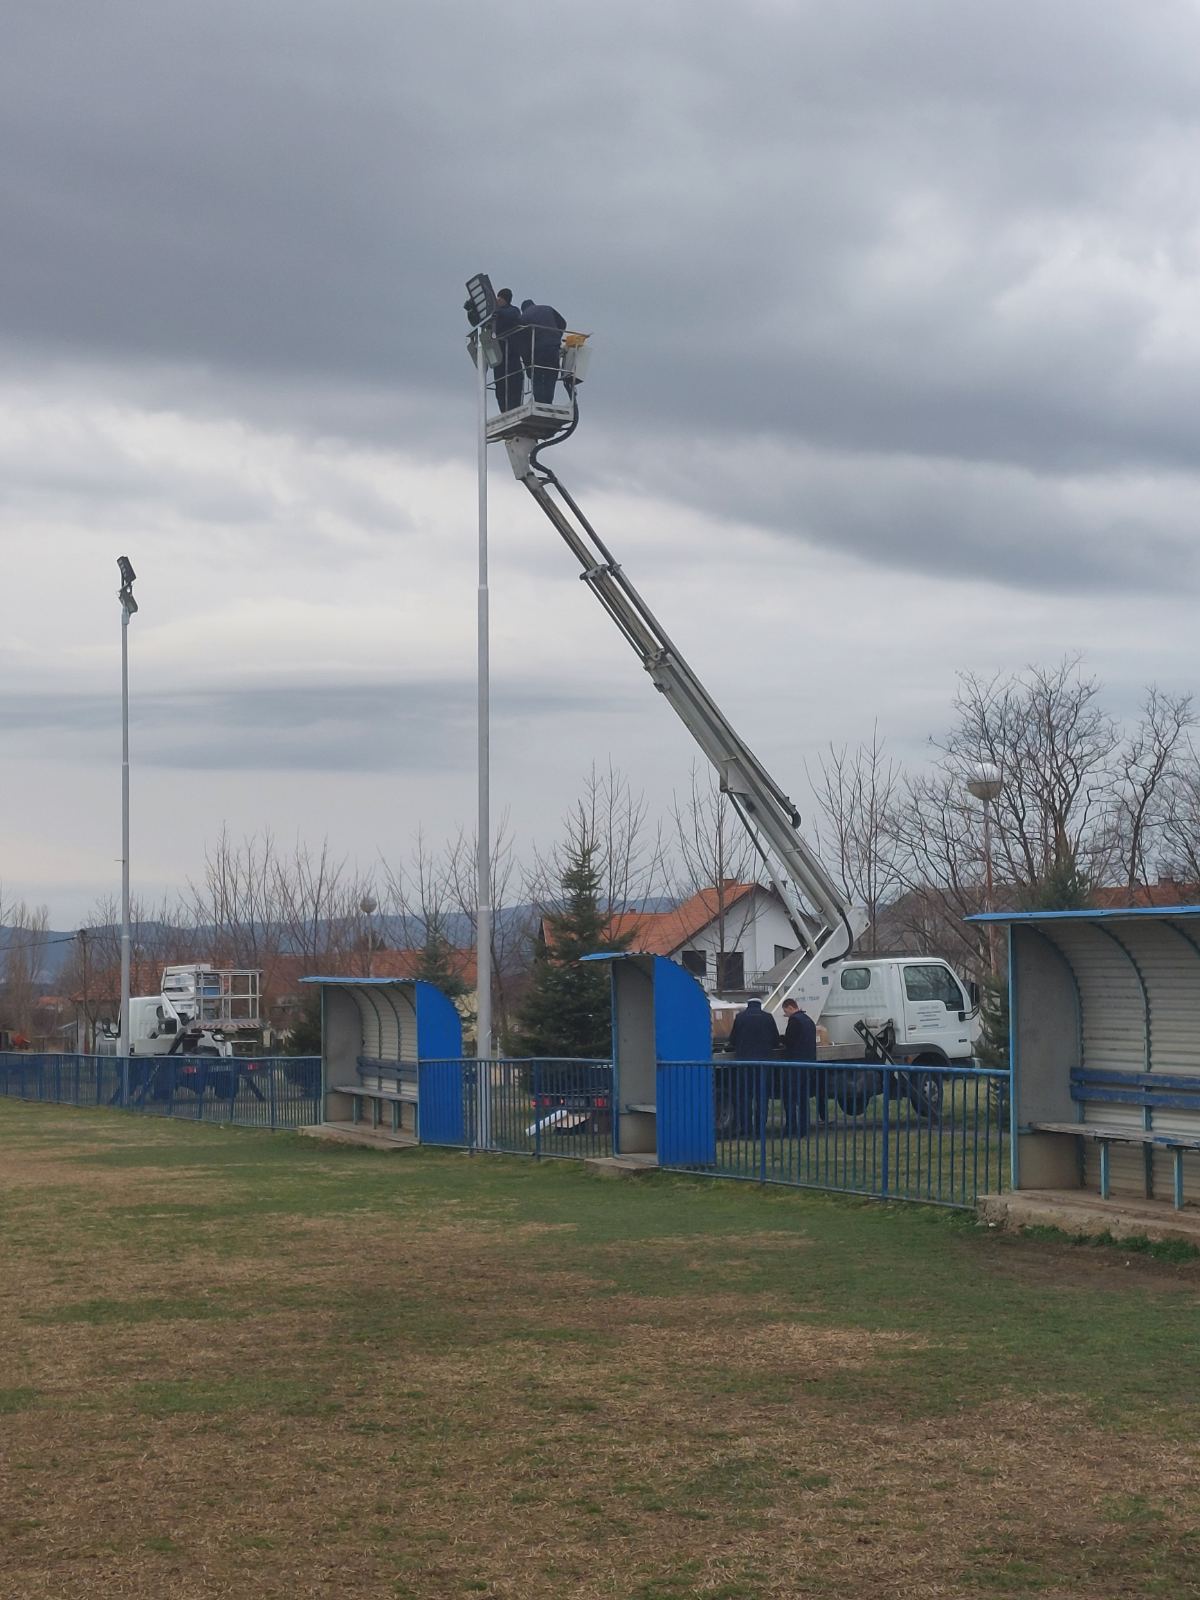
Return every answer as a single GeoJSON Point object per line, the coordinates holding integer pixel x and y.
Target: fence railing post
{"type": "Point", "coordinates": [886, 1159]}
{"type": "Point", "coordinates": [534, 1087]}
{"type": "Point", "coordinates": [274, 1068]}
{"type": "Point", "coordinates": [762, 1084]}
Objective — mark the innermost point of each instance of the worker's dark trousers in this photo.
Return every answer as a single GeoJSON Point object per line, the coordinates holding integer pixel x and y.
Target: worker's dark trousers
{"type": "Point", "coordinates": [794, 1088]}
{"type": "Point", "coordinates": [544, 372]}
{"type": "Point", "coordinates": [510, 379]}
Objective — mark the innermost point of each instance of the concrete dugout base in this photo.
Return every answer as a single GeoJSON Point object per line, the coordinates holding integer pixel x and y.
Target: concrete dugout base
{"type": "Point", "coordinates": [1076, 1211]}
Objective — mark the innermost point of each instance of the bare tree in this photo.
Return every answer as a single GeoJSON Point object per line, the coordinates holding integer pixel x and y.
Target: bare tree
{"type": "Point", "coordinates": [1151, 778]}
{"type": "Point", "coordinates": [239, 902]}
{"type": "Point", "coordinates": [857, 792]}
{"type": "Point", "coordinates": [25, 964]}
{"type": "Point", "coordinates": [1057, 751]}
{"type": "Point", "coordinates": [937, 838]}
{"type": "Point", "coordinates": [510, 931]}
{"type": "Point", "coordinates": [319, 901]}
{"type": "Point", "coordinates": [713, 853]}
{"type": "Point", "coordinates": [628, 851]}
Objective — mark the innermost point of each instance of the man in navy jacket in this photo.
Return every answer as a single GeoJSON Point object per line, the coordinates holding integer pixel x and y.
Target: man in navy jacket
{"type": "Point", "coordinates": [542, 348]}
{"type": "Point", "coordinates": [506, 323]}
{"type": "Point", "coordinates": [795, 1084]}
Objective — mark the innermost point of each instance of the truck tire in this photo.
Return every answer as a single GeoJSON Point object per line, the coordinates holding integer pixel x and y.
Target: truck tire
{"type": "Point", "coordinates": [855, 1091]}
{"type": "Point", "coordinates": [925, 1089]}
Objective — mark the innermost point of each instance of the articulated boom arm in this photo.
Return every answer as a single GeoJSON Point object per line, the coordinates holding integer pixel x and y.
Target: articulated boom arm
{"type": "Point", "coordinates": [769, 816]}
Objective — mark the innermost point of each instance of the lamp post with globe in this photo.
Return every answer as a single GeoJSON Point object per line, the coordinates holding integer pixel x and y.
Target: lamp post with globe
{"type": "Point", "coordinates": [368, 905]}
{"type": "Point", "coordinates": [985, 783]}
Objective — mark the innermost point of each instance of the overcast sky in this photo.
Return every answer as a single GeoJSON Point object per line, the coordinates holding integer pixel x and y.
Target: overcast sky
{"type": "Point", "coordinates": [896, 371]}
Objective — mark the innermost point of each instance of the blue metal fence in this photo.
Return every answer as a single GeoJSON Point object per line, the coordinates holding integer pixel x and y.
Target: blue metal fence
{"type": "Point", "coordinates": [263, 1092]}
{"type": "Point", "coordinates": [937, 1134]}
{"type": "Point", "coordinates": [542, 1107]}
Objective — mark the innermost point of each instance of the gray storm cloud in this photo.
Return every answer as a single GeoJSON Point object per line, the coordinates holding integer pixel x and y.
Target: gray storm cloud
{"type": "Point", "coordinates": [887, 299]}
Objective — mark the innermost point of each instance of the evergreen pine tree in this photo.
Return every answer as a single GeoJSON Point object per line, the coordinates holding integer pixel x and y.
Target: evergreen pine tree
{"type": "Point", "coordinates": [437, 965]}
{"type": "Point", "coordinates": [304, 1036]}
{"type": "Point", "coordinates": [567, 1009]}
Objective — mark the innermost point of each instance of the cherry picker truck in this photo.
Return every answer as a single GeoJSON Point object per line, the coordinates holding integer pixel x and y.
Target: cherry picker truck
{"type": "Point", "coordinates": [914, 1010]}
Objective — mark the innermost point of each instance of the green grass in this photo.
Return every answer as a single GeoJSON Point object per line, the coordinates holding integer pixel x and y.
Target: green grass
{"type": "Point", "coordinates": [429, 1372]}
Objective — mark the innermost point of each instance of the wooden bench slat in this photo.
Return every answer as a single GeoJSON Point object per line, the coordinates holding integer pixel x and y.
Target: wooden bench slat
{"type": "Point", "coordinates": [1099, 1130]}
{"type": "Point", "coordinates": [405, 1094]}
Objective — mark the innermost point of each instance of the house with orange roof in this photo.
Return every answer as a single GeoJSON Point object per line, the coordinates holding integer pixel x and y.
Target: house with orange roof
{"type": "Point", "coordinates": [729, 935]}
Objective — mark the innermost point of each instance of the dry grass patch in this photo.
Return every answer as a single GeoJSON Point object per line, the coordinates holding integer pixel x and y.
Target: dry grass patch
{"type": "Point", "coordinates": [365, 1379]}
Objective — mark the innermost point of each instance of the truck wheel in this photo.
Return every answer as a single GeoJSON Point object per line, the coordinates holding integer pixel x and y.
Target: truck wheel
{"type": "Point", "coordinates": [925, 1093]}
{"type": "Point", "coordinates": [856, 1091]}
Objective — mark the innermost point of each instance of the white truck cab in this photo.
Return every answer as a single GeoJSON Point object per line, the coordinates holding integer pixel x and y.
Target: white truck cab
{"type": "Point", "coordinates": [934, 1015]}
{"type": "Point", "coordinates": [935, 1018]}
{"type": "Point", "coordinates": [156, 1028]}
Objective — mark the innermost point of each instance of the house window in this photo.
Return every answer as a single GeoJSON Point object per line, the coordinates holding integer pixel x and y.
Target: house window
{"type": "Point", "coordinates": [731, 969]}
{"type": "Point", "coordinates": [856, 978]}
{"type": "Point", "coordinates": [695, 962]}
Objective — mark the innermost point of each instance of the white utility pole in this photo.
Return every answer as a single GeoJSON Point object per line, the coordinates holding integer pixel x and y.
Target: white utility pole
{"type": "Point", "coordinates": [128, 607]}
{"type": "Point", "coordinates": [483, 915]}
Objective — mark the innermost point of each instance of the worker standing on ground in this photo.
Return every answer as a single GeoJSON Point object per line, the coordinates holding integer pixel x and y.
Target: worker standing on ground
{"type": "Point", "coordinates": [542, 348]}
{"type": "Point", "coordinates": [753, 1037]}
{"type": "Point", "coordinates": [795, 1084]}
{"type": "Point", "coordinates": [506, 323]}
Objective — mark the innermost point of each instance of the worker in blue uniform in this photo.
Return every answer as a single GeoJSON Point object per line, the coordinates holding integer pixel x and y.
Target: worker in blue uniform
{"type": "Point", "coordinates": [795, 1081]}
{"type": "Point", "coordinates": [510, 377]}
{"type": "Point", "coordinates": [754, 1037]}
{"type": "Point", "coordinates": [541, 348]}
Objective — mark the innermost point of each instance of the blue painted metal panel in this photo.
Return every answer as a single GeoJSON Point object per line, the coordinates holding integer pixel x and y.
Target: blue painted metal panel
{"type": "Point", "coordinates": [439, 1026]}
{"type": "Point", "coordinates": [682, 1014]}
{"type": "Point", "coordinates": [440, 1117]}
{"type": "Point", "coordinates": [686, 1122]}
{"type": "Point", "coordinates": [1149, 1080]}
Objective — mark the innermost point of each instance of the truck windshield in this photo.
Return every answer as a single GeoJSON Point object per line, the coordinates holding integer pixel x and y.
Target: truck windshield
{"type": "Point", "coordinates": [934, 983]}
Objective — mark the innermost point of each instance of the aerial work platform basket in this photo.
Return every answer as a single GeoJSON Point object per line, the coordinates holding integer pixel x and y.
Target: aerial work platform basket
{"type": "Point", "coordinates": [215, 997]}
{"type": "Point", "coordinates": [532, 375]}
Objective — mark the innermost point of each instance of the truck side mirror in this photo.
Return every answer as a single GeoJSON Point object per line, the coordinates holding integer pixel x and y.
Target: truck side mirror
{"type": "Point", "coordinates": [973, 994]}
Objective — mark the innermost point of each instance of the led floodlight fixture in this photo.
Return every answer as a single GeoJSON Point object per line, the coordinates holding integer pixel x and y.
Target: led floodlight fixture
{"type": "Point", "coordinates": [482, 297]}
{"type": "Point", "coordinates": [125, 592]}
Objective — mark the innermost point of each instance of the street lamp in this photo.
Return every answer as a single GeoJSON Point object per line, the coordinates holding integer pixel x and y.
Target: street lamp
{"type": "Point", "coordinates": [368, 906]}
{"type": "Point", "coordinates": [481, 306]}
{"type": "Point", "coordinates": [985, 783]}
{"type": "Point", "coordinates": [128, 607]}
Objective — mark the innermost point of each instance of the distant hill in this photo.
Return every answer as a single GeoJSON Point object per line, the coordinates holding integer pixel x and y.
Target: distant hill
{"type": "Point", "coordinates": [403, 933]}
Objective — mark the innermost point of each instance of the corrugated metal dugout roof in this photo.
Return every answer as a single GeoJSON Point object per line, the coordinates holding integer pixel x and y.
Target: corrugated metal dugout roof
{"type": "Point", "coordinates": [1133, 972]}
{"type": "Point", "coordinates": [1113, 915]}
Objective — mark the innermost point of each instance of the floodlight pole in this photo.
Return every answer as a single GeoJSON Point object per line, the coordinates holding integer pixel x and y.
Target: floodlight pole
{"type": "Point", "coordinates": [123, 1046]}
{"type": "Point", "coordinates": [483, 916]}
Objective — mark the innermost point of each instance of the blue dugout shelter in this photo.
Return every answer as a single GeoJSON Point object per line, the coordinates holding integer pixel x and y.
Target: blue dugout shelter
{"type": "Point", "coordinates": [393, 1041]}
{"type": "Point", "coordinates": [1105, 1051]}
{"type": "Point", "coordinates": [660, 1015]}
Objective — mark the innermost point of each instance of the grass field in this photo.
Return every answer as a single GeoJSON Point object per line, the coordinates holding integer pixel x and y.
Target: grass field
{"type": "Point", "coordinates": [244, 1364]}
